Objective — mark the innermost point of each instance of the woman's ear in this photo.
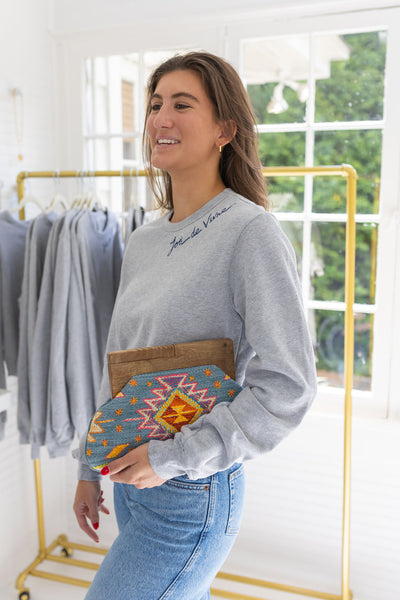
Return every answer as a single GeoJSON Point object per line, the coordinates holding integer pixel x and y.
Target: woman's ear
{"type": "Point", "coordinates": [227, 133]}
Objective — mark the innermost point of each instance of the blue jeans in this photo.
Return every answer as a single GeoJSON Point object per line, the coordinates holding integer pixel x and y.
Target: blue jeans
{"type": "Point", "coordinates": [172, 539]}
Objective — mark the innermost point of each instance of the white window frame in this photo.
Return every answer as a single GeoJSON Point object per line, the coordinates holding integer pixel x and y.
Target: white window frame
{"type": "Point", "coordinates": [384, 398]}
{"type": "Point", "coordinates": [224, 37]}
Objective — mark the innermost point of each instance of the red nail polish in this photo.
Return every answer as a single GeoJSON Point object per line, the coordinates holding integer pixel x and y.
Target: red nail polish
{"type": "Point", "coordinates": [105, 471]}
{"type": "Point", "coordinates": [95, 525]}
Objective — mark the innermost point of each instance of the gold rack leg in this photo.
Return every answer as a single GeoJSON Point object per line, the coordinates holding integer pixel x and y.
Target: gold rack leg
{"type": "Point", "coordinates": [39, 505]}
{"type": "Point", "coordinates": [348, 374]}
{"type": "Point", "coordinates": [46, 553]}
{"type": "Point", "coordinates": [66, 547]}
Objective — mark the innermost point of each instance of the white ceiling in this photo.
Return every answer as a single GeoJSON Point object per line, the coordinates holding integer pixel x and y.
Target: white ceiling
{"type": "Point", "coordinates": [74, 16]}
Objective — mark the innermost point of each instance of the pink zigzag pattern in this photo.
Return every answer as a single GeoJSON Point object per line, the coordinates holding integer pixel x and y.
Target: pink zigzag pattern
{"type": "Point", "coordinates": [169, 383]}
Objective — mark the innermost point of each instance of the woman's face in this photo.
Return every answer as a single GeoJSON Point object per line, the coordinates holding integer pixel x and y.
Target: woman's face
{"type": "Point", "coordinates": [182, 127]}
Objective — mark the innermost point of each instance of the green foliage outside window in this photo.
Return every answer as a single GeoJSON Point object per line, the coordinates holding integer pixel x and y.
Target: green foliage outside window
{"type": "Point", "coordinates": [353, 92]}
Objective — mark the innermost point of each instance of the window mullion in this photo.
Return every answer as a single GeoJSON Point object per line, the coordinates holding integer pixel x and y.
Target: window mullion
{"type": "Point", "coordinates": [141, 92]}
{"type": "Point", "coordinates": [94, 84]}
{"type": "Point", "coordinates": [308, 181]}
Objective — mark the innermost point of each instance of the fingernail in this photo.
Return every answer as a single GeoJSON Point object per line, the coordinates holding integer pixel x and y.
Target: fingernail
{"type": "Point", "coordinates": [95, 525]}
{"type": "Point", "coordinates": [105, 471]}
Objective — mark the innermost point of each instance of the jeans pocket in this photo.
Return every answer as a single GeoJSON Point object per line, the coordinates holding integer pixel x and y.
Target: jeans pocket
{"type": "Point", "coordinates": [236, 500]}
{"type": "Point", "coordinates": [189, 484]}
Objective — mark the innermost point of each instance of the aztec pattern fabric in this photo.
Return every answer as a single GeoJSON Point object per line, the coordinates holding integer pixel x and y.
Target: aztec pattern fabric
{"type": "Point", "coordinates": [154, 406]}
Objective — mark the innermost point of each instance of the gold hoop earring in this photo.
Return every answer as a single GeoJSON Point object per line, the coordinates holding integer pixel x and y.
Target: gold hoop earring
{"type": "Point", "coordinates": [220, 149]}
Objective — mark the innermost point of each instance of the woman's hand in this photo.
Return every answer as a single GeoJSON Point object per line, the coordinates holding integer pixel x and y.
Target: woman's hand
{"type": "Point", "coordinates": [134, 468]}
{"type": "Point", "coordinates": [87, 504]}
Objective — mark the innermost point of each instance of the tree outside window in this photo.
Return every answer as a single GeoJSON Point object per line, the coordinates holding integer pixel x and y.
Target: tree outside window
{"type": "Point", "coordinates": [319, 101]}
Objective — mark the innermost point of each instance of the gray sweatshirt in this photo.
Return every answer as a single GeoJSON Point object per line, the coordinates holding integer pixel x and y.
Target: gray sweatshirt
{"type": "Point", "coordinates": [79, 284]}
{"type": "Point", "coordinates": [228, 270]}
{"type": "Point", "coordinates": [35, 251]}
{"type": "Point", "coordinates": [92, 256]}
{"type": "Point", "coordinates": [12, 249]}
{"type": "Point", "coordinates": [40, 356]}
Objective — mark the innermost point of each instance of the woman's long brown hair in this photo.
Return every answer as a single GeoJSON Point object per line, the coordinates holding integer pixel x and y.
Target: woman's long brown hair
{"type": "Point", "coordinates": [240, 167]}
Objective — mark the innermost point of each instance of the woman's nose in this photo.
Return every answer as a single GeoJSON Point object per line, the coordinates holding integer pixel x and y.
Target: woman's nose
{"type": "Point", "coordinates": [163, 117]}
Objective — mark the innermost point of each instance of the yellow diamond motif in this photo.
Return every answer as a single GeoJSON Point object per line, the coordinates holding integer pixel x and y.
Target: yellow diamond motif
{"type": "Point", "coordinates": [177, 411]}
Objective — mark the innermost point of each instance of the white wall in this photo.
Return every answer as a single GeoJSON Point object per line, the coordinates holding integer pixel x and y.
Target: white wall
{"type": "Point", "coordinates": [292, 523]}
{"type": "Point", "coordinates": [26, 62]}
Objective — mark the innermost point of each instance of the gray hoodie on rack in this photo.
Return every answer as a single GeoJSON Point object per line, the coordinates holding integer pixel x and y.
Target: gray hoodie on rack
{"type": "Point", "coordinates": [35, 252]}
{"type": "Point", "coordinates": [79, 285]}
{"type": "Point", "coordinates": [12, 249]}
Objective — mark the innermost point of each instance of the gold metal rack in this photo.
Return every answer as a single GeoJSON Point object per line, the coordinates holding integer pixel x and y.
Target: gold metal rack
{"type": "Point", "coordinates": [67, 547]}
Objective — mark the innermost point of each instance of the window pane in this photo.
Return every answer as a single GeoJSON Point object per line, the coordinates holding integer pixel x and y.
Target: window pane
{"type": "Point", "coordinates": [129, 81]}
{"type": "Point", "coordinates": [366, 252]}
{"type": "Point", "coordinates": [328, 262]}
{"type": "Point", "coordinates": [361, 149]}
{"type": "Point", "coordinates": [328, 242]}
{"type": "Point", "coordinates": [128, 112]}
{"type": "Point", "coordinates": [130, 150]}
{"type": "Point", "coordinates": [88, 97]}
{"type": "Point", "coordinates": [363, 334]}
{"type": "Point", "coordinates": [101, 110]}
{"type": "Point", "coordinates": [275, 71]}
{"type": "Point", "coordinates": [294, 231]}
{"type": "Point", "coordinates": [88, 152]}
{"type": "Point", "coordinates": [277, 103]}
{"type": "Point", "coordinates": [286, 194]}
{"type": "Point", "coordinates": [329, 195]}
{"type": "Point", "coordinates": [100, 95]}
{"type": "Point", "coordinates": [100, 71]}
{"type": "Point", "coordinates": [102, 154]}
{"type": "Point", "coordinates": [282, 149]}
{"type": "Point", "coordinates": [353, 87]}
{"type": "Point", "coordinates": [329, 347]}
{"type": "Point", "coordinates": [130, 192]}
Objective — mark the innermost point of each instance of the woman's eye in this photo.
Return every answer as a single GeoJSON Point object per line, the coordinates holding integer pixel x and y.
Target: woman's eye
{"type": "Point", "coordinates": [155, 107]}
{"type": "Point", "coordinates": [181, 106]}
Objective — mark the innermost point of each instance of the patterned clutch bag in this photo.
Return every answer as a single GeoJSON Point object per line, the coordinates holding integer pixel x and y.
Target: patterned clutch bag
{"type": "Point", "coordinates": [154, 402]}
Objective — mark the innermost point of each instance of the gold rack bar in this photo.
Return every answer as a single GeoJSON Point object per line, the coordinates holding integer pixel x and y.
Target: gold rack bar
{"type": "Point", "coordinates": [61, 578]}
{"type": "Point", "coordinates": [262, 583]}
{"type": "Point", "coordinates": [350, 174]}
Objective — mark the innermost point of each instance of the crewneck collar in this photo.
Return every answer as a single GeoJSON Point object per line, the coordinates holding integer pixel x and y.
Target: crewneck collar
{"type": "Point", "coordinates": [198, 214]}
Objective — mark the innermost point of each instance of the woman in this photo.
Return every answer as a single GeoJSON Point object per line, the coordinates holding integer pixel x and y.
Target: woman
{"type": "Point", "coordinates": [215, 265]}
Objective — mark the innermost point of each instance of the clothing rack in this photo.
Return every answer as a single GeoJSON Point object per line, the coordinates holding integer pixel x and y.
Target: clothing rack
{"type": "Point", "coordinates": [67, 547]}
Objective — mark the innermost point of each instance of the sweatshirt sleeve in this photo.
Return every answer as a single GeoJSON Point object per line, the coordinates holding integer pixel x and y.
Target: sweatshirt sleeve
{"type": "Point", "coordinates": [280, 378]}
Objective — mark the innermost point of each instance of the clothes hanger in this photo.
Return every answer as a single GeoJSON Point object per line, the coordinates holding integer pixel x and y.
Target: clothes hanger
{"type": "Point", "coordinates": [93, 201]}
{"type": "Point", "coordinates": [58, 198]}
{"type": "Point", "coordinates": [134, 198]}
{"type": "Point", "coordinates": [28, 198]}
{"type": "Point", "coordinates": [78, 198]}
